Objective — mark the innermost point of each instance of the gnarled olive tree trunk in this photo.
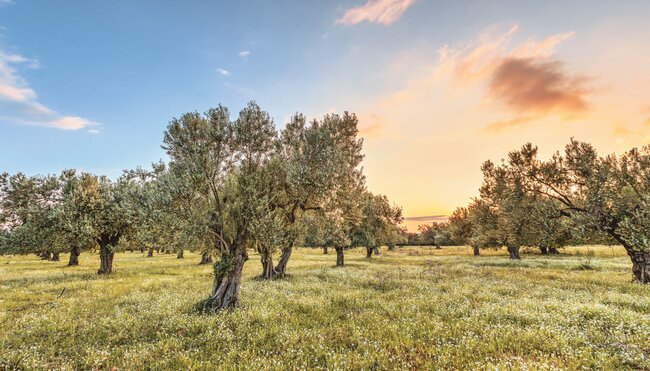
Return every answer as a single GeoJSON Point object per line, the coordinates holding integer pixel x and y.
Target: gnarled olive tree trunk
{"type": "Point", "coordinates": [325, 250]}
{"type": "Point", "coordinates": [106, 255]}
{"type": "Point", "coordinates": [339, 256]}
{"type": "Point", "coordinates": [74, 257]}
{"type": "Point", "coordinates": [553, 250]}
{"type": "Point", "coordinates": [640, 266]}
{"type": "Point", "coordinates": [107, 245]}
{"type": "Point", "coordinates": [227, 281]}
{"type": "Point", "coordinates": [543, 250]}
{"type": "Point", "coordinates": [368, 252]}
{"type": "Point", "coordinates": [55, 257]}
{"type": "Point", "coordinates": [150, 253]}
{"type": "Point", "coordinates": [46, 255]}
{"type": "Point", "coordinates": [476, 250]}
{"type": "Point", "coordinates": [514, 252]}
{"type": "Point", "coordinates": [281, 268]}
{"type": "Point", "coordinates": [206, 258]}
{"type": "Point", "coordinates": [268, 272]}
{"type": "Point", "coordinates": [376, 250]}
{"type": "Point", "coordinates": [179, 255]}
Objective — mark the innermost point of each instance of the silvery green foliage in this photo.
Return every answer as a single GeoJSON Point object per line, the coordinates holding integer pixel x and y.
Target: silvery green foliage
{"type": "Point", "coordinates": [609, 194]}
{"type": "Point", "coordinates": [460, 226]}
{"type": "Point", "coordinates": [379, 219]}
{"type": "Point", "coordinates": [508, 201]}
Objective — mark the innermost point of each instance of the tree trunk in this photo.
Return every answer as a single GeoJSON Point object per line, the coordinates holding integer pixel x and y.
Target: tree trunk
{"type": "Point", "coordinates": [74, 257]}
{"type": "Point", "coordinates": [268, 272]}
{"type": "Point", "coordinates": [514, 252]}
{"type": "Point", "coordinates": [544, 250]}
{"type": "Point", "coordinates": [325, 250]}
{"type": "Point", "coordinates": [106, 254]}
{"type": "Point", "coordinates": [553, 251]}
{"type": "Point", "coordinates": [438, 246]}
{"type": "Point", "coordinates": [205, 258]}
{"type": "Point", "coordinates": [339, 256]}
{"type": "Point", "coordinates": [46, 255]}
{"type": "Point", "coordinates": [476, 250]}
{"type": "Point", "coordinates": [284, 260]}
{"type": "Point", "coordinates": [179, 255]}
{"type": "Point", "coordinates": [640, 266]}
{"type": "Point", "coordinates": [227, 281]}
{"type": "Point", "coordinates": [55, 257]}
{"type": "Point", "coordinates": [376, 250]}
{"type": "Point", "coordinates": [391, 247]}
{"type": "Point", "coordinates": [368, 252]}
{"type": "Point", "coordinates": [150, 253]}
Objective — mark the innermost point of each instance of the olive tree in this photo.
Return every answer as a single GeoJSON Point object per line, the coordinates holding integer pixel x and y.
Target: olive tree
{"type": "Point", "coordinates": [609, 193]}
{"type": "Point", "coordinates": [313, 165]}
{"type": "Point", "coordinates": [460, 228]}
{"type": "Point", "coordinates": [220, 161]}
{"type": "Point", "coordinates": [378, 220]}
{"type": "Point", "coordinates": [506, 192]}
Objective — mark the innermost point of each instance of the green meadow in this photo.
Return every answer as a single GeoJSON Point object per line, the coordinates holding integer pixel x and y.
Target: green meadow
{"type": "Point", "coordinates": [414, 307]}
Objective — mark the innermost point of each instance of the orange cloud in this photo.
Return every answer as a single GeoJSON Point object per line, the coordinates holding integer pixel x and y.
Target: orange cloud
{"type": "Point", "coordinates": [540, 86]}
{"type": "Point", "coordinates": [498, 126]}
{"type": "Point", "coordinates": [384, 12]}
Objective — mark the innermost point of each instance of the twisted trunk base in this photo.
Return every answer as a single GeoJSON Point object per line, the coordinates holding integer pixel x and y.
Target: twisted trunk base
{"type": "Point", "coordinates": [640, 266]}
{"type": "Point", "coordinates": [369, 252]}
{"type": "Point", "coordinates": [514, 252]}
{"type": "Point", "coordinates": [281, 268]}
{"type": "Point", "coordinates": [476, 250]}
{"type": "Point", "coordinates": [553, 251]}
{"type": "Point", "coordinates": [543, 250]}
{"type": "Point", "coordinates": [74, 257]}
{"type": "Point", "coordinates": [325, 250]}
{"type": "Point", "coordinates": [375, 250]}
{"type": "Point", "coordinates": [268, 272]}
{"type": "Point", "coordinates": [205, 258]}
{"type": "Point", "coordinates": [227, 283]}
{"type": "Point", "coordinates": [179, 255]}
{"type": "Point", "coordinates": [150, 253]}
{"type": "Point", "coordinates": [340, 258]}
{"type": "Point", "coordinates": [55, 257]}
{"type": "Point", "coordinates": [106, 255]}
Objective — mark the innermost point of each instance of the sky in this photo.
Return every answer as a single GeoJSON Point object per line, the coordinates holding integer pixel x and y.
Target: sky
{"type": "Point", "coordinates": [438, 86]}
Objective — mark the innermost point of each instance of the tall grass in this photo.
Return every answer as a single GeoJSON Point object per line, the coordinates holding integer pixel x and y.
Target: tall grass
{"type": "Point", "coordinates": [411, 308]}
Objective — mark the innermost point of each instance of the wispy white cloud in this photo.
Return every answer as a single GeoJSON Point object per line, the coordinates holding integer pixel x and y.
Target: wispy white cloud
{"type": "Point", "coordinates": [6, 2]}
{"type": "Point", "coordinates": [223, 72]}
{"type": "Point", "coordinates": [384, 12]}
{"type": "Point", "coordinates": [244, 54]}
{"type": "Point", "coordinates": [19, 98]}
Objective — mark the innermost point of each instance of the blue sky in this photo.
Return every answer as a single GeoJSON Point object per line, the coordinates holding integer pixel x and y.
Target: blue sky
{"type": "Point", "coordinates": [117, 71]}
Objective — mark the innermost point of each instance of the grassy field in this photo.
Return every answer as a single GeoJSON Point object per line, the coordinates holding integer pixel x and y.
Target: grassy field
{"type": "Point", "coordinates": [412, 308]}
